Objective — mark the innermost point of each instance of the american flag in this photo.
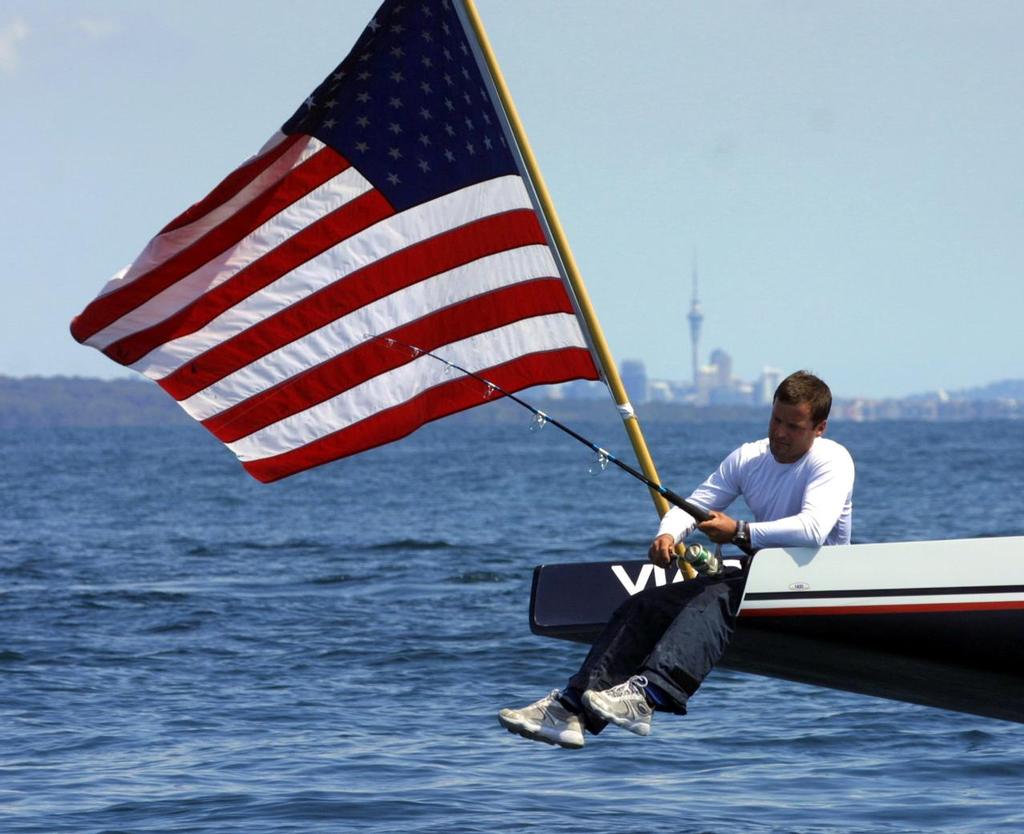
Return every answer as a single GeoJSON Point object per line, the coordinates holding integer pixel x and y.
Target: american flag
{"type": "Point", "coordinates": [388, 210]}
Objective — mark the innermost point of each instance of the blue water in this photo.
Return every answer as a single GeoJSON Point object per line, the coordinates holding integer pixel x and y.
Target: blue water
{"type": "Point", "coordinates": [183, 649]}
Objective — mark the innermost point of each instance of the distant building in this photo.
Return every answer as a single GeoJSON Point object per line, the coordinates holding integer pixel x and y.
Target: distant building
{"type": "Point", "coordinates": [582, 389]}
{"type": "Point", "coordinates": [660, 391]}
{"type": "Point", "coordinates": [739, 393]}
{"type": "Point", "coordinates": [764, 388]}
{"type": "Point", "coordinates": [721, 362]}
{"type": "Point", "coordinates": [696, 318]}
{"type": "Point", "coordinates": [634, 377]}
{"type": "Point", "coordinates": [714, 381]}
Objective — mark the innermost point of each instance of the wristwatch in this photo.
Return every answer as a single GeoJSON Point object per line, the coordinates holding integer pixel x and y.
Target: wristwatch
{"type": "Point", "coordinates": [742, 536]}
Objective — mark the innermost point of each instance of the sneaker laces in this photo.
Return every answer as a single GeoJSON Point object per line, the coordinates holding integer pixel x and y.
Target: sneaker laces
{"type": "Point", "coordinates": [635, 685]}
{"type": "Point", "coordinates": [554, 699]}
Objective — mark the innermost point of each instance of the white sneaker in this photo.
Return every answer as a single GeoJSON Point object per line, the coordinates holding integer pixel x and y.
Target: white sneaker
{"type": "Point", "coordinates": [624, 705]}
{"type": "Point", "coordinates": [545, 720]}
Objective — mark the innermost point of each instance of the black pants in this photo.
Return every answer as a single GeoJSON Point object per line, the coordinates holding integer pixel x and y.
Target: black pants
{"type": "Point", "coordinates": [673, 635]}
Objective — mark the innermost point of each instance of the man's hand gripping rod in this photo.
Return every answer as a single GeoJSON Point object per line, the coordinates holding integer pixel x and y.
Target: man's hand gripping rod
{"type": "Point", "coordinates": [699, 513]}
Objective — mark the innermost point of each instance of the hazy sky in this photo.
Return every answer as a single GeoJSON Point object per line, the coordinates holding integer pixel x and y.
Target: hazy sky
{"type": "Point", "coordinates": [850, 175]}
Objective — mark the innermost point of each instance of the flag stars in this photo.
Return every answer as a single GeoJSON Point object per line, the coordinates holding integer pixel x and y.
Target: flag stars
{"type": "Point", "coordinates": [373, 25]}
{"type": "Point", "coordinates": [412, 120]}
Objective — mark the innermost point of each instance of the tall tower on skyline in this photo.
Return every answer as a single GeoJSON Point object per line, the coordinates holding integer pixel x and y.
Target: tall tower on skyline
{"type": "Point", "coordinates": [696, 318]}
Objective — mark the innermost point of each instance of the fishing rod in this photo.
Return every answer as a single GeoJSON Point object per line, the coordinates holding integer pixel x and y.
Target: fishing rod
{"type": "Point", "coordinates": [604, 457]}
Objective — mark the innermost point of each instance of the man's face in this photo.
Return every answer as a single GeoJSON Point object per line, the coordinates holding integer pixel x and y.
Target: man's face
{"type": "Point", "coordinates": [791, 431]}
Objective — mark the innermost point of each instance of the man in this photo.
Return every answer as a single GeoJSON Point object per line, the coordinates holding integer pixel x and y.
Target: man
{"type": "Point", "coordinates": [661, 643]}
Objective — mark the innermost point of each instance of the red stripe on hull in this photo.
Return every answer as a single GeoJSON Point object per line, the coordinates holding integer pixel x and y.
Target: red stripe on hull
{"type": "Point", "coordinates": [441, 401]}
{"type": "Point", "coordinates": [349, 219]}
{"type": "Point", "coordinates": [909, 608]}
{"type": "Point", "coordinates": [369, 359]}
{"type": "Point", "coordinates": [402, 269]}
{"type": "Point", "coordinates": [107, 309]}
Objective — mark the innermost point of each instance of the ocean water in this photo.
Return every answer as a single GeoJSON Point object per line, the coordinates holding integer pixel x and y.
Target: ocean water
{"type": "Point", "coordinates": [183, 649]}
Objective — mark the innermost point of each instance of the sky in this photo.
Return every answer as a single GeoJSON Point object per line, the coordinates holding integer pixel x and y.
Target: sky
{"type": "Point", "coordinates": [847, 178]}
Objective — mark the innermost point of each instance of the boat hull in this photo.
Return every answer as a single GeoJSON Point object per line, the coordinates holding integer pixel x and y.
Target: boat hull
{"type": "Point", "coordinates": [933, 623]}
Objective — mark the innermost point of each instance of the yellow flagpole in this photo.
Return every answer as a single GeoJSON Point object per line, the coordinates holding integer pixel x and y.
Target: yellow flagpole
{"type": "Point", "coordinates": [604, 356]}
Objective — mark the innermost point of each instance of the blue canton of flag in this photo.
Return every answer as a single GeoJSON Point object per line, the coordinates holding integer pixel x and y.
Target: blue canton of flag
{"type": "Point", "coordinates": [409, 107]}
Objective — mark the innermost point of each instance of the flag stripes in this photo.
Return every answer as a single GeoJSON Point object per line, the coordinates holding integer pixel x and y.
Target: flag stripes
{"type": "Point", "coordinates": [556, 357]}
{"type": "Point", "coordinates": [250, 177]}
{"type": "Point", "coordinates": [377, 243]}
{"type": "Point", "coordinates": [410, 304]}
{"type": "Point", "coordinates": [358, 289]}
{"type": "Point", "coordinates": [253, 274]}
{"type": "Point", "coordinates": [476, 353]}
{"type": "Point", "coordinates": [327, 378]}
{"type": "Point", "coordinates": [300, 182]}
{"type": "Point", "coordinates": [431, 404]}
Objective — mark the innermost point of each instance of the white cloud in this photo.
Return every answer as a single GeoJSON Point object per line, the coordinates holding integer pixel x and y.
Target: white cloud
{"type": "Point", "coordinates": [98, 27]}
{"type": "Point", "coordinates": [11, 35]}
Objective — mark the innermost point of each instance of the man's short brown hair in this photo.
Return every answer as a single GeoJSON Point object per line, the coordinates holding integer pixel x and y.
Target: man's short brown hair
{"type": "Point", "coordinates": [805, 387]}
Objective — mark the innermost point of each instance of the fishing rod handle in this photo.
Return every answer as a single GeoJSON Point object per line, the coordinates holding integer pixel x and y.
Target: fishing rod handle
{"type": "Point", "coordinates": [675, 498]}
{"type": "Point", "coordinates": [698, 513]}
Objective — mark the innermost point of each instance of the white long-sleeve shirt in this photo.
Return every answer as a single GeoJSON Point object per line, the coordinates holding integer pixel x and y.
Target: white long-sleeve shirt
{"type": "Point", "coordinates": [802, 504]}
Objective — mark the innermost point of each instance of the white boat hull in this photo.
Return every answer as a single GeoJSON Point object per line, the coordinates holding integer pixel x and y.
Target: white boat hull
{"type": "Point", "coordinates": [938, 623]}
